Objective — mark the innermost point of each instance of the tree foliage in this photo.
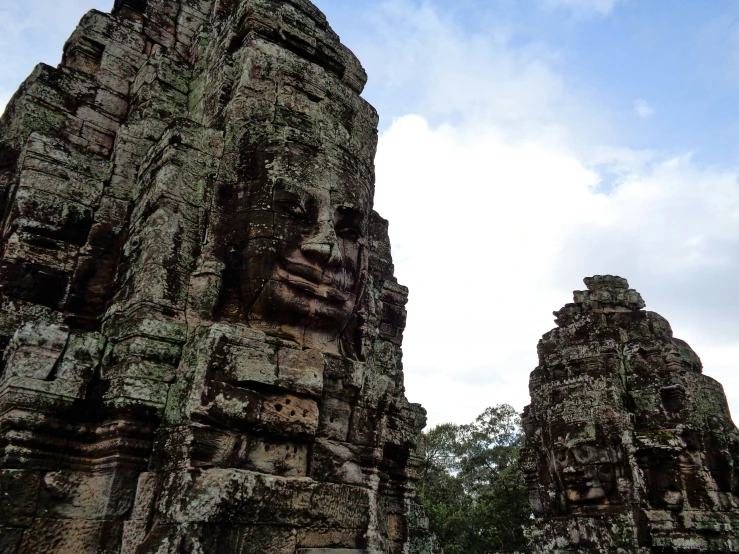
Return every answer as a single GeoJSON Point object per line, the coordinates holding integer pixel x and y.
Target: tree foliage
{"type": "Point", "coordinates": [472, 489]}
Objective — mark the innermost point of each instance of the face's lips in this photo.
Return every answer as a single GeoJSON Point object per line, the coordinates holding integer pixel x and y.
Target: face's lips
{"type": "Point", "coordinates": [575, 476]}
{"type": "Point", "coordinates": [306, 272]}
{"type": "Point", "coordinates": [304, 281]}
{"type": "Point", "coordinates": [586, 488]}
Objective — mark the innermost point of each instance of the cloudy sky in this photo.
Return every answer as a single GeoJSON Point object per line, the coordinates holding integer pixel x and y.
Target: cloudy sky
{"type": "Point", "coordinates": [526, 144]}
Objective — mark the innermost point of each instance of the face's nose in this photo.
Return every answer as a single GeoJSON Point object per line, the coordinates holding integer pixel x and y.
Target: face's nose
{"type": "Point", "coordinates": [322, 248]}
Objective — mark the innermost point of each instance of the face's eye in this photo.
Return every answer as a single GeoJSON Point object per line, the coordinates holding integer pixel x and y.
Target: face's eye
{"type": "Point", "coordinates": [582, 454]}
{"type": "Point", "coordinates": [291, 208]}
{"type": "Point", "coordinates": [348, 223]}
{"type": "Point", "coordinates": [562, 456]}
{"type": "Point", "coordinates": [349, 233]}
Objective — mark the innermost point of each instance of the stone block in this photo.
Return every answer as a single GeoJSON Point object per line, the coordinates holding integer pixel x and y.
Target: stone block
{"type": "Point", "coordinates": [140, 370]}
{"type": "Point", "coordinates": [63, 219]}
{"type": "Point", "coordinates": [134, 534]}
{"type": "Point", "coordinates": [343, 377]}
{"type": "Point", "coordinates": [244, 539]}
{"type": "Point", "coordinates": [56, 388]}
{"type": "Point", "coordinates": [79, 495]}
{"type": "Point", "coordinates": [365, 426]}
{"type": "Point", "coordinates": [146, 491]}
{"type": "Point", "coordinates": [109, 102]}
{"type": "Point", "coordinates": [204, 290]}
{"type": "Point", "coordinates": [34, 350]}
{"type": "Point", "coordinates": [249, 363]}
{"type": "Point", "coordinates": [129, 391]}
{"type": "Point", "coordinates": [301, 371]}
{"type": "Point", "coordinates": [244, 497]}
{"type": "Point", "coordinates": [47, 253]}
{"type": "Point", "coordinates": [230, 404]}
{"type": "Point", "coordinates": [70, 536]}
{"type": "Point", "coordinates": [278, 458]}
{"type": "Point", "coordinates": [158, 329]}
{"type": "Point", "coordinates": [81, 356]}
{"type": "Point", "coordinates": [141, 348]}
{"type": "Point", "coordinates": [396, 528]}
{"type": "Point", "coordinates": [61, 181]}
{"type": "Point", "coordinates": [19, 494]}
{"type": "Point", "coordinates": [336, 462]}
{"type": "Point", "coordinates": [32, 362]}
{"type": "Point", "coordinates": [334, 420]}
{"type": "Point", "coordinates": [256, 540]}
{"type": "Point", "coordinates": [289, 415]}
{"type": "Point", "coordinates": [378, 390]}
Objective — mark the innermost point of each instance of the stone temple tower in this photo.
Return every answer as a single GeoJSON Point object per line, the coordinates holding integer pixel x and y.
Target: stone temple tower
{"type": "Point", "coordinates": [629, 447]}
{"type": "Point", "coordinates": [199, 323]}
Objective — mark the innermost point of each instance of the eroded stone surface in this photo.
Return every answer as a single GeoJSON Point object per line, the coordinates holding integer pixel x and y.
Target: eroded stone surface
{"type": "Point", "coordinates": [629, 447]}
{"type": "Point", "coordinates": [199, 323]}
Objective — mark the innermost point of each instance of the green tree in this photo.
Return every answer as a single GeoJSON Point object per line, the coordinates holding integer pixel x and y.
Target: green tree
{"type": "Point", "coordinates": [472, 488]}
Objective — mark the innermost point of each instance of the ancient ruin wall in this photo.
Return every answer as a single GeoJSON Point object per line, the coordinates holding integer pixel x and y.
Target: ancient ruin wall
{"type": "Point", "coordinates": [199, 323]}
{"type": "Point", "coordinates": [629, 447]}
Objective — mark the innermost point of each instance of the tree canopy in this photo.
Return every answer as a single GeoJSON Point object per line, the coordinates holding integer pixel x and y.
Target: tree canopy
{"type": "Point", "coordinates": [472, 489]}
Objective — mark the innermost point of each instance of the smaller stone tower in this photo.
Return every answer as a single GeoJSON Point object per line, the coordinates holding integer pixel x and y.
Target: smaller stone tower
{"type": "Point", "coordinates": [629, 447]}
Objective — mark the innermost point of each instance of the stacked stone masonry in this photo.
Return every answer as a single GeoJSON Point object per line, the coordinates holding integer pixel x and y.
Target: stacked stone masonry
{"type": "Point", "coordinates": [629, 447]}
{"type": "Point", "coordinates": [200, 328]}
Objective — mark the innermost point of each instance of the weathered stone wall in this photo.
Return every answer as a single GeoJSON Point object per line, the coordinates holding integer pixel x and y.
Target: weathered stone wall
{"type": "Point", "coordinates": [629, 447]}
{"type": "Point", "coordinates": [199, 323]}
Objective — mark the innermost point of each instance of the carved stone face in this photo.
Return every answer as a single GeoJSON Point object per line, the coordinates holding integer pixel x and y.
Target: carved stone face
{"type": "Point", "coordinates": [305, 257]}
{"type": "Point", "coordinates": [587, 471]}
{"type": "Point", "coordinates": [679, 356]}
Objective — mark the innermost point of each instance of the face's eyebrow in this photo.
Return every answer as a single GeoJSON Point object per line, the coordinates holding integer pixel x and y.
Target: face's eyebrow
{"type": "Point", "coordinates": [281, 193]}
{"type": "Point", "coordinates": [287, 192]}
{"type": "Point", "coordinates": [350, 212]}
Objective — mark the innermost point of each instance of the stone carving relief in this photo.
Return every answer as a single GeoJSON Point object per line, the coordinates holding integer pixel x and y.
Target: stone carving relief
{"type": "Point", "coordinates": [587, 468]}
{"type": "Point", "coordinates": [300, 258]}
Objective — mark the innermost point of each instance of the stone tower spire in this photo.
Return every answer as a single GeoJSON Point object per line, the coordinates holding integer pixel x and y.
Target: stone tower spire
{"type": "Point", "coordinates": [199, 323]}
{"type": "Point", "coordinates": [629, 447]}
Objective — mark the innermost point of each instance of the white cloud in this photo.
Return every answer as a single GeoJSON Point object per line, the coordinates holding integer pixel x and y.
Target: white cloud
{"type": "Point", "coordinates": [603, 7]}
{"type": "Point", "coordinates": [421, 55]}
{"type": "Point", "coordinates": [643, 109]}
{"type": "Point", "coordinates": [500, 207]}
{"type": "Point", "coordinates": [491, 234]}
{"type": "Point", "coordinates": [474, 217]}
